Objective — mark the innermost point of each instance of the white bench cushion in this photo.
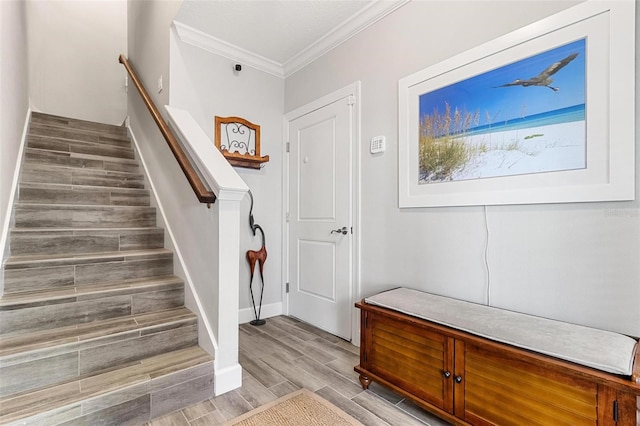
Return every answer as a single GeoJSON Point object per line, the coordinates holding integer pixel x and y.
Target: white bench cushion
{"type": "Point", "coordinates": [603, 350]}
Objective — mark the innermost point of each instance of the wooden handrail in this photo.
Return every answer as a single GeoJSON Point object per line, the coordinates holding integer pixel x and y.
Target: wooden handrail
{"type": "Point", "coordinates": [204, 195]}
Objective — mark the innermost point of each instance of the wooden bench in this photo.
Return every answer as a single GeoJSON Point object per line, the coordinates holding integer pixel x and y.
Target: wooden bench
{"type": "Point", "coordinates": [473, 364]}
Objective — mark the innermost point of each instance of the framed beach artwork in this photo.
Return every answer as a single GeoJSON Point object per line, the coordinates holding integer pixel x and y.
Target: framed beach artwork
{"type": "Point", "coordinates": [541, 115]}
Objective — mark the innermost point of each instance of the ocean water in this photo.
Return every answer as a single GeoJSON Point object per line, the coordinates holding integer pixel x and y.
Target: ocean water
{"type": "Point", "coordinates": [558, 116]}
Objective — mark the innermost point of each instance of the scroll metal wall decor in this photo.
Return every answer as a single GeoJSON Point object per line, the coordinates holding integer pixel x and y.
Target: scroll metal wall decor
{"type": "Point", "coordinates": [239, 141]}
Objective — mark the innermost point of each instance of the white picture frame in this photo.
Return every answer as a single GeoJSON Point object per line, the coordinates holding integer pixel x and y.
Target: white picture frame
{"type": "Point", "coordinates": [609, 175]}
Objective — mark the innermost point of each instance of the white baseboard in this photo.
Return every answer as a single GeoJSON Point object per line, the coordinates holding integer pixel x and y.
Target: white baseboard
{"type": "Point", "coordinates": [227, 379]}
{"type": "Point", "coordinates": [8, 222]}
{"type": "Point", "coordinates": [272, 310]}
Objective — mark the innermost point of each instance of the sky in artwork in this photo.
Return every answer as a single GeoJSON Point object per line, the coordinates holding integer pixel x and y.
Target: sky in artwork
{"type": "Point", "coordinates": [495, 104]}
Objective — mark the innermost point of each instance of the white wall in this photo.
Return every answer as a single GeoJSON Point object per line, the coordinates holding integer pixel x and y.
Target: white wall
{"type": "Point", "coordinates": [574, 262]}
{"type": "Point", "coordinates": [206, 85]}
{"type": "Point", "coordinates": [14, 105]}
{"type": "Point", "coordinates": [73, 58]}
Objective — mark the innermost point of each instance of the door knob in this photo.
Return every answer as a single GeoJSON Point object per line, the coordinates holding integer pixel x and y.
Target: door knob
{"type": "Point", "coordinates": [342, 231]}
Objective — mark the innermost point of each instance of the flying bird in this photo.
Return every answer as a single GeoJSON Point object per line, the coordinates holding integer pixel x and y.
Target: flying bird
{"type": "Point", "coordinates": [544, 78]}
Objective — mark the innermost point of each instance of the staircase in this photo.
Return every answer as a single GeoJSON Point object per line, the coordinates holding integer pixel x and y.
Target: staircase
{"type": "Point", "coordinates": [93, 328]}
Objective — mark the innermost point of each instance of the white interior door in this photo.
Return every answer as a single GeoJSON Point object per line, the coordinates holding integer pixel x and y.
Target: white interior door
{"type": "Point", "coordinates": [320, 217]}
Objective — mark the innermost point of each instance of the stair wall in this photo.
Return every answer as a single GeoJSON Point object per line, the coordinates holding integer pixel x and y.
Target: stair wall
{"type": "Point", "coordinates": [192, 299]}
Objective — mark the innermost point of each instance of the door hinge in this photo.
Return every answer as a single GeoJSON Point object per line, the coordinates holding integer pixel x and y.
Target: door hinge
{"type": "Point", "coordinates": [287, 147]}
{"type": "Point", "coordinates": [286, 289]}
{"type": "Point", "coordinates": [287, 217]}
{"type": "Point", "coordinates": [615, 411]}
{"type": "Point", "coordinates": [351, 100]}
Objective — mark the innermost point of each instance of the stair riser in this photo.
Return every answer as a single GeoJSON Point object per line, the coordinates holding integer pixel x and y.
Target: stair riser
{"type": "Point", "coordinates": [83, 309]}
{"type": "Point", "coordinates": [84, 242]}
{"type": "Point", "coordinates": [41, 130]}
{"type": "Point", "coordinates": [82, 177]}
{"type": "Point", "coordinates": [27, 216]}
{"type": "Point", "coordinates": [84, 162]}
{"type": "Point", "coordinates": [32, 346]}
{"type": "Point", "coordinates": [55, 121]}
{"type": "Point", "coordinates": [21, 280]}
{"type": "Point", "coordinates": [105, 357]}
{"type": "Point", "coordinates": [104, 273]}
{"type": "Point", "coordinates": [72, 362]}
{"type": "Point", "coordinates": [63, 145]}
{"type": "Point", "coordinates": [175, 397]}
{"type": "Point", "coordinates": [135, 404]}
{"type": "Point", "coordinates": [74, 194]}
{"type": "Point", "coordinates": [54, 276]}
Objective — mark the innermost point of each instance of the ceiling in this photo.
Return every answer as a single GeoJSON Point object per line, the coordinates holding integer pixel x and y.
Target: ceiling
{"type": "Point", "coordinates": [281, 35]}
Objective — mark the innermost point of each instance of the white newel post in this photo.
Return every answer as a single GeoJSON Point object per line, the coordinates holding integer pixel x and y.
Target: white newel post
{"type": "Point", "coordinates": [229, 189]}
{"type": "Point", "coordinates": [228, 373]}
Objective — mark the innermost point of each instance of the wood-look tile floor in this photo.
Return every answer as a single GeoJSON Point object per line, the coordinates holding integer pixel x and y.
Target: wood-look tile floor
{"type": "Point", "coordinates": [285, 355]}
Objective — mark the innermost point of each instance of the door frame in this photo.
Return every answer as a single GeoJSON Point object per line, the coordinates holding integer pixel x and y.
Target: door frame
{"type": "Point", "coordinates": [352, 89]}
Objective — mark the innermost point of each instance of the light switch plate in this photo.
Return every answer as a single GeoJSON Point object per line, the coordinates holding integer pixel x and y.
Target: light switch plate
{"type": "Point", "coordinates": [378, 144]}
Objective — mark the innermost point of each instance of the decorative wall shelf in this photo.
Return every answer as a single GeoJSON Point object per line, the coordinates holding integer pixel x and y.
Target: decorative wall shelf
{"type": "Point", "coordinates": [239, 142]}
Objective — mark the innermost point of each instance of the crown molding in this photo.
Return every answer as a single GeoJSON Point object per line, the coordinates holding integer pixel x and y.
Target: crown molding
{"type": "Point", "coordinates": [369, 15]}
{"type": "Point", "coordinates": [225, 49]}
{"type": "Point", "coordinates": [343, 32]}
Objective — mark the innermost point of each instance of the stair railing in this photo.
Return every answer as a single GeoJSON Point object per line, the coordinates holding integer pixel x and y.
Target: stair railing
{"type": "Point", "coordinates": [199, 188]}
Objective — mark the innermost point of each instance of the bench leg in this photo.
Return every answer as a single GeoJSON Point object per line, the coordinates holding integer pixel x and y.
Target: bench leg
{"type": "Point", "coordinates": [365, 381]}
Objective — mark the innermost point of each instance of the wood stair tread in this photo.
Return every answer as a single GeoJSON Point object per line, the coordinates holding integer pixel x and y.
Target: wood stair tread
{"type": "Point", "coordinates": [84, 230]}
{"type": "Point", "coordinates": [61, 139]}
{"type": "Point", "coordinates": [71, 137]}
{"type": "Point", "coordinates": [46, 215]}
{"type": "Point", "coordinates": [77, 134]}
{"type": "Point", "coordinates": [76, 155]}
{"type": "Point", "coordinates": [80, 147]}
{"type": "Point", "coordinates": [42, 185]}
{"type": "Point", "coordinates": [83, 241]}
{"type": "Point", "coordinates": [67, 122]}
{"type": "Point", "coordinates": [79, 206]}
{"type": "Point", "coordinates": [38, 340]}
{"type": "Point", "coordinates": [40, 297]}
{"type": "Point", "coordinates": [66, 259]}
{"type": "Point", "coordinates": [80, 194]}
{"type": "Point", "coordinates": [149, 374]}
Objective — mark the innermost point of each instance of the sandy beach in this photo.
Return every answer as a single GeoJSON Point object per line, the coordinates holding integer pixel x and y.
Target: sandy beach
{"type": "Point", "coordinates": [533, 150]}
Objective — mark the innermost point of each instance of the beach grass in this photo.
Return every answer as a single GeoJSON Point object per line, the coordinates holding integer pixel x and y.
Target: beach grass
{"type": "Point", "coordinates": [448, 149]}
{"type": "Point", "coordinates": [442, 147]}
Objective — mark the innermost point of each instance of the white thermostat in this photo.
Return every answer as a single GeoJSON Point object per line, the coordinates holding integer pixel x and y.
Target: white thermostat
{"type": "Point", "coordinates": [378, 144]}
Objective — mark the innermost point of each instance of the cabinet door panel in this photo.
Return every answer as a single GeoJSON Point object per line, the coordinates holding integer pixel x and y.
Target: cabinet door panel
{"type": "Point", "coordinates": [504, 390]}
{"type": "Point", "coordinates": [414, 358]}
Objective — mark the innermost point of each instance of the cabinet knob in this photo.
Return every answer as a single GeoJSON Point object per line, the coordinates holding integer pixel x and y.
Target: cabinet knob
{"type": "Point", "coordinates": [458, 379]}
{"type": "Point", "coordinates": [446, 374]}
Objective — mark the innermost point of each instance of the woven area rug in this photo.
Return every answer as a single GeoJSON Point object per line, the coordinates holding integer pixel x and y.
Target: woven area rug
{"type": "Point", "coordinates": [300, 408]}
